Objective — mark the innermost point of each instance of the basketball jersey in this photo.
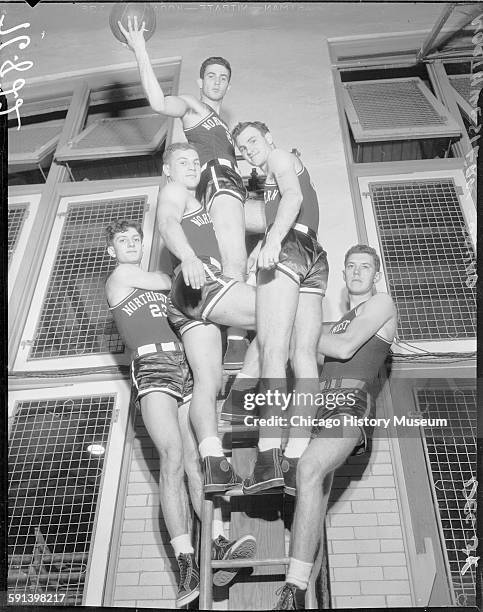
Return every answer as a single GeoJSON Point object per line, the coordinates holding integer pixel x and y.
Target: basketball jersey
{"type": "Point", "coordinates": [141, 318]}
{"type": "Point", "coordinates": [200, 233]}
{"type": "Point", "coordinates": [309, 209]}
{"type": "Point", "coordinates": [212, 139]}
{"type": "Point", "coordinates": [365, 363]}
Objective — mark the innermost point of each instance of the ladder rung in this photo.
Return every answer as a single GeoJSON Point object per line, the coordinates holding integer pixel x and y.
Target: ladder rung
{"type": "Point", "coordinates": [238, 428]}
{"type": "Point", "coordinates": [248, 562]}
{"type": "Point", "coordinates": [226, 495]}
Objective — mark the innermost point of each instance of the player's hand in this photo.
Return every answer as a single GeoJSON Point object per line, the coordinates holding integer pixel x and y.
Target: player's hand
{"type": "Point", "coordinates": [134, 34]}
{"type": "Point", "coordinates": [193, 272]}
{"type": "Point", "coordinates": [269, 254]}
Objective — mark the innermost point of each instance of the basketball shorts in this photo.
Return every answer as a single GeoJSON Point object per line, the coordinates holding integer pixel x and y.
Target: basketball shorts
{"type": "Point", "coordinates": [164, 371]}
{"type": "Point", "coordinates": [220, 177]}
{"type": "Point", "coordinates": [188, 307]}
{"type": "Point", "coordinates": [304, 261]}
{"type": "Point", "coordinates": [345, 398]}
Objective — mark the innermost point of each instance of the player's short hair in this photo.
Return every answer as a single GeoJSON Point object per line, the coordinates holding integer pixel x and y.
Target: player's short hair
{"type": "Point", "coordinates": [209, 61]}
{"type": "Point", "coordinates": [177, 146]}
{"type": "Point", "coordinates": [364, 248]}
{"type": "Point", "coordinates": [258, 125]}
{"type": "Point", "coordinates": [119, 226]}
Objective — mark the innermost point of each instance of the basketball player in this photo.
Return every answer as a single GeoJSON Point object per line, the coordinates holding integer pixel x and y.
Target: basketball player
{"type": "Point", "coordinates": [221, 189]}
{"type": "Point", "coordinates": [163, 383]}
{"type": "Point", "coordinates": [291, 282]}
{"type": "Point", "coordinates": [354, 351]}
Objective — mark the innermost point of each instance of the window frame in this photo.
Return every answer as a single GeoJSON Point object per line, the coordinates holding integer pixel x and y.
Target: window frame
{"type": "Point", "coordinates": [108, 488]}
{"type": "Point", "coordinates": [22, 362]}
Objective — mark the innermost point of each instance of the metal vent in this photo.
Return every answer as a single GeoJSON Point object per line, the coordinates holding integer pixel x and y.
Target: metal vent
{"type": "Point", "coordinates": [32, 143]}
{"type": "Point", "coordinates": [426, 254]}
{"type": "Point", "coordinates": [57, 452]}
{"type": "Point", "coordinates": [17, 214]}
{"type": "Point", "coordinates": [395, 109]}
{"type": "Point", "coordinates": [462, 84]}
{"type": "Point", "coordinates": [75, 319]}
{"type": "Point", "coordinates": [125, 136]}
{"type": "Point", "coordinates": [451, 454]}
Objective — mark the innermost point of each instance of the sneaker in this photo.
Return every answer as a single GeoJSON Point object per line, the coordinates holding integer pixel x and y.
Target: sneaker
{"type": "Point", "coordinates": [267, 472]}
{"type": "Point", "coordinates": [289, 470]}
{"type": "Point", "coordinates": [291, 598]}
{"type": "Point", "coordinates": [189, 580]}
{"type": "Point", "coordinates": [236, 349]}
{"type": "Point", "coordinates": [233, 408]}
{"type": "Point", "coordinates": [222, 549]}
{"type": "Point", "coordinates": [218, 475]}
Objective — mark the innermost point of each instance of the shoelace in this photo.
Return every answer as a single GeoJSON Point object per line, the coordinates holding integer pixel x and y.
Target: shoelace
{"type": "Point", "coordinates": [287, 597]}
{"type": "Point", "coordinates": [184, 567]}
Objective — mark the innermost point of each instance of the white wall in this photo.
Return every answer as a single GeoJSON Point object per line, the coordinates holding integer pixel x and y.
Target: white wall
{"type": "Point", "coordinates": [281, 75]}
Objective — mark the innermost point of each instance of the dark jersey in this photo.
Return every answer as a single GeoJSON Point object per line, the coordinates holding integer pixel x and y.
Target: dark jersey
{"type": "Point", "coordinates": [199, 231]}
{"type": "Point", "coordinates": [212, 139]}
{"type": "Point", "coordinates": [365, 363]}
{"type": "Point", "coordinates": [309, 209]}
{"type": "Point", "coordinates": [141, 318]}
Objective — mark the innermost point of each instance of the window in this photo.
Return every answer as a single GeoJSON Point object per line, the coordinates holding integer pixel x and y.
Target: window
{"type": "Point", "coordinates": [428, 255]}
{"type": "Point", "coordinates": [72, 326]}
{"type": "Point", "coordinates": [64, 459]}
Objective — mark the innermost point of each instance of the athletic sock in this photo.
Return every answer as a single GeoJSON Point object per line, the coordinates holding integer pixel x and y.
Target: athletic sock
{"type": "Point", "coordinates": [265, 444]}
{"type": "Point", "coordinates": [182, 544]}
{"type": "Point", "coordinates": [296, 447]}
{"type": "Point", "coordinates": [211, 447]}
{"type": "Point", "coordinates": [298, 573]}
{"type": "Point", "coordinates": [217, 528]}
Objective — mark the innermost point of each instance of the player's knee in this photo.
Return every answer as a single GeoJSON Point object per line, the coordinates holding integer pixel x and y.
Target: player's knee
{"type": "Point", "coordinates": [310, 472]}
{"type": "Point", "coordinates": [171, 462]}
{"type": "Point", "coordinates": [273, 351]}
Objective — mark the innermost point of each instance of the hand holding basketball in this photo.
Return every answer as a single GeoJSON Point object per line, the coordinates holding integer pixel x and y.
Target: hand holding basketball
{"type": "Point", "coordinates": [132, 22]}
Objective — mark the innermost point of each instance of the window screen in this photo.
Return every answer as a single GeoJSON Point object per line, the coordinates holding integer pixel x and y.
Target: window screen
{"type": "Point", "coordinates": [32, 143]}
{"type": "Point", "coordinates": [426, 256]}
{"type": "Point", "coordinates": [75, 319]}
{"type": "Point", "coordinates": [451, 455]}
{"type": "Point", "coordinates": [17, 213]}
{"type": "Point", "coordinates": [57, 453]}
{"type": "Point", "coordinates": [462, 84]}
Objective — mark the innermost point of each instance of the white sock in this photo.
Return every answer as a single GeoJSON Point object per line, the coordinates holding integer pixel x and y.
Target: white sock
{"type": "Point", "coordinates": [296, 447]}
{"type": "Point", "coordinates": [211, 447]}
{"type": "Point", "coordinates": [265, 444]}
{"type": "Point", "coordinates": [298, 573]}
{"type": "Point", "coordinates": [217, 528]}
{"type": "Point", "coordinates": [182, 544]}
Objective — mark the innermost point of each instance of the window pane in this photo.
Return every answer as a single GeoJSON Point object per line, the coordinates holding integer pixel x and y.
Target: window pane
{"type": "Point", "coordinates": [17, 214]}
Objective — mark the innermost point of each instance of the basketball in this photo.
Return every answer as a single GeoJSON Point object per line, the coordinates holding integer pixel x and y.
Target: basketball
{"type": "Point", "coordinates": [123, 10]}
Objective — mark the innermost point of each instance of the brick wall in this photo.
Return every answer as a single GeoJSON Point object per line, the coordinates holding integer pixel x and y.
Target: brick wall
{"type": "Point", "coordinates": [146, 569]}
{"type": "Point", "coordinates": [367, 559]}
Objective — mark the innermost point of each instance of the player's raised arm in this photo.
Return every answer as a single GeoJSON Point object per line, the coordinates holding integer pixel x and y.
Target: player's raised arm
{"type": "Point", "coordinates": [171, 207]}
{"type": "Point", "coordinates": [375, 313]}
{"type": "Point", "coordinates": [172, 106]}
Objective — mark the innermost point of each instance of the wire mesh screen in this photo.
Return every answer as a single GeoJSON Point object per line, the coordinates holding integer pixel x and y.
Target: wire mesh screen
{"type": "Point", "coordinates": [396, 104]}
{"type": "Point", "coordinates": [31, 138]}
{"type": "Point", "coordinates": [462, 84]}
{"type": "Point", "coordinates": [427, 254]}
{"type": "Point", "coordinates": [17, 213]}
{"type": "Point", "coordinates": [130, 131]}
{"type": "Point", "coordinates": [56, 459]}
{"type": "Point", "coordinates": [451, 454]}
{"type": "Point", "coordinates": [75, 319]}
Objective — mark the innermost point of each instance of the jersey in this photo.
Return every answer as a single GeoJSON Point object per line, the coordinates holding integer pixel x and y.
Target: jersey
{"type": "Point", "coordinates": [309, 209]}
{"type": "Point", "coordinates": [200, 233]}
{"type": "Point", "coordinates": [366, 361]}
{"type": "Point", "coordinates": [141, 318]}
{"type": "Point", "coordinates": [212, 139]}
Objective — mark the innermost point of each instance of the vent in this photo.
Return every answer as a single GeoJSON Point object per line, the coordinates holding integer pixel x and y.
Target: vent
{"type": "Point", "coordinates": [32, 144]}
{"type": "Point", "coordinates": [396, 109]}
{"type": "Point", "coordinates": [427, 254]}
{"type": "Point", "coordinates": [17, 213]}
{"type": "Point", "coordinates": [451, 456]}
{"type": "Point", "coordinates": [75, 319]}
{"type": "Point", "coordinates": [462, 89]}
{"type": "Point", "coordinates": [54, 483]}
{"type": "Point", "coordinates": [124, 137]}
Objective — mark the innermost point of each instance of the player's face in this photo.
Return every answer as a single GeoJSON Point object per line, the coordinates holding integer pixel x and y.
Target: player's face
{"type": "Point", "coordinates": [127, 247]}
{"type": "Point", "coordinates": [215, 82]}
{"type": "Point", "coordinates": [360, 273]}
{"type": "Point", "coordinates": [184, 167]}
{"type": "Point", "coordinates": [254, 146]}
